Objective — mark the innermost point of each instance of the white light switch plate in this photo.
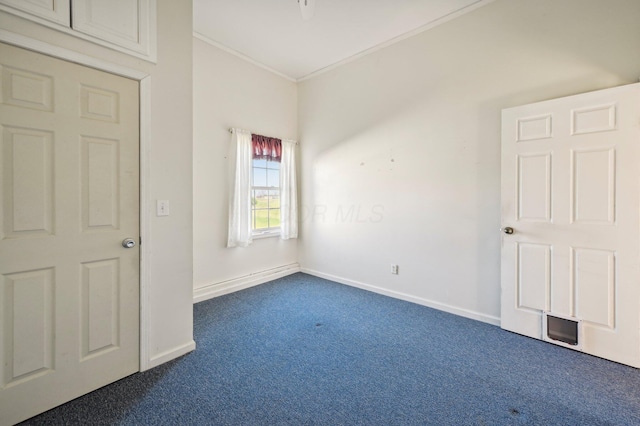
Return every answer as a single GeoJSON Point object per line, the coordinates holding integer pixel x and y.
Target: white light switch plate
{"type": "Point", "coordinates": [162, 208]}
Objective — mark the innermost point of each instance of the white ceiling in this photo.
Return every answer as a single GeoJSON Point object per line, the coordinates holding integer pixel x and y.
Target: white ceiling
{"type": "Point", "coordinates": [272, 32]}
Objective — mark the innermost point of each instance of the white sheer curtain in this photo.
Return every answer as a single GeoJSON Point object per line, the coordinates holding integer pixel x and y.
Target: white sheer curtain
{"type": "Point", "coordinates": [240, 189]}
{"type": "Point", "coordinates": [288, 191]}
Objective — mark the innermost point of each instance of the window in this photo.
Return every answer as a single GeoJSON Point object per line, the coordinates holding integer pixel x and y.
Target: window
{"type": "Point", "coordinates": [263, 191]}
{"type": "Point", "coordinates": [265, 197]}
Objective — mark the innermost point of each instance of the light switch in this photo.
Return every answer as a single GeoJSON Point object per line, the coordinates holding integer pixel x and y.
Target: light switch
{"type": "Point", "coordinates": [162, 208]}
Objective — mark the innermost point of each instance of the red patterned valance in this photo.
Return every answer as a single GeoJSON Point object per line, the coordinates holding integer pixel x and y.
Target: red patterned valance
{"type": "Point", "coordinates": [265, 147]}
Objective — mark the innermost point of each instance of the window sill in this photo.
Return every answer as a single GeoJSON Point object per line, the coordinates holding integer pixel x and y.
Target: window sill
{"type": "Point", "coordinates": [265, 234]}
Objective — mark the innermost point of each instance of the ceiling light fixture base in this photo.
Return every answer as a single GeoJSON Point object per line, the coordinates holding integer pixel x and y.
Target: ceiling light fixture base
{"type": "Point", "coordinates": [307, 8]}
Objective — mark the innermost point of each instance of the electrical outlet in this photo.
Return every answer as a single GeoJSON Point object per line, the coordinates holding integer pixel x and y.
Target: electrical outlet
{"type": "Point", "coordinates": [394, 269]}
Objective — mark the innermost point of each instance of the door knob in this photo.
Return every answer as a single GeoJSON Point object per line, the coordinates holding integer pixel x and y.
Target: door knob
{"type": "Point", "coordinates": [128, 243]}
{"type": "Point", "coordinates": [507, 230]}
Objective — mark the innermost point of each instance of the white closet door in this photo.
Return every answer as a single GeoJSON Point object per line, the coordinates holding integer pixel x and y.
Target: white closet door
{"type": "Point", "coordinates": [570, 191]}
{"type": "Point", "coordinates": [69, 289]}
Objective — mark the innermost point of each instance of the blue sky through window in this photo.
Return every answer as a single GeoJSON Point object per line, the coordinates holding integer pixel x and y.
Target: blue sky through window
{"type": "Point", "coordinates": [266, 173]}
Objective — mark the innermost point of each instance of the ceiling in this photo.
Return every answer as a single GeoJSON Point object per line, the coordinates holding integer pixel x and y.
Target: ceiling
{"type": "Point", "coordinates": [273, 34]}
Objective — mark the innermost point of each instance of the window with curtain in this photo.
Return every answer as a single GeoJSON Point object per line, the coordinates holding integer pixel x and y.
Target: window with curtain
{"type": "Point", "coordinates": [263, 195]}
{"type": "Point", "coordinates": [265, 186]}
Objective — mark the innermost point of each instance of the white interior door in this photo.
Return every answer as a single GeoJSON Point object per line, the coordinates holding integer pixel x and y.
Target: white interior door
{"type": "Point", "coordinates": [570, 192]}
{"type": "Point", "coordinates": [69, 289]}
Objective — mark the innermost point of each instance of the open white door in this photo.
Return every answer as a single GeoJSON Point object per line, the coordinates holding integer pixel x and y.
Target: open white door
{"type": "Point", "coordinates": [570, 192]}
{"type": "Point", "coordinates": [69, 289]}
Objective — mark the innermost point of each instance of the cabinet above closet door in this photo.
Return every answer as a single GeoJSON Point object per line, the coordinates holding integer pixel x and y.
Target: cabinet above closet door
{"type": "Point", "coordinates": [128, 26]}
{"type": "Point", "coordinates": [125, 23]}
{"type": "Point", "coordinates": [57, 11]}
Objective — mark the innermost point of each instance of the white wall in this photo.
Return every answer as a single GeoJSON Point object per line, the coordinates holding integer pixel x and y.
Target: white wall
{"type": "Point", "coordinates": [230, 92]}
{"type": "Point", "coordinates": [169, 169]}
{"type": "Point", "coordinates": [401, 148]}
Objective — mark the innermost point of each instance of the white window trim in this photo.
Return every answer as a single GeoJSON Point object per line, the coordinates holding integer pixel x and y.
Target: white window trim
{"type": "Point", "coordinates": [267, 233]}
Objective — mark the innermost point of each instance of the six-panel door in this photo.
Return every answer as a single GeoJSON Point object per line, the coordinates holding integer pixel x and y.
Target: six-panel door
{"type": "Point", "coordinates": [69, 290]}
{"type": "Point", "coordinates": [570, 191]}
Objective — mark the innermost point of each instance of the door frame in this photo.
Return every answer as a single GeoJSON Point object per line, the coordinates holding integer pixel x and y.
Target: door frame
{"type": "Point", "coordinates": [144, 80]}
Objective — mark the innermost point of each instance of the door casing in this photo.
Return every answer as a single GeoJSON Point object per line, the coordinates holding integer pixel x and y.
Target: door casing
{"type": "Point", "coordinates": [144, 80]}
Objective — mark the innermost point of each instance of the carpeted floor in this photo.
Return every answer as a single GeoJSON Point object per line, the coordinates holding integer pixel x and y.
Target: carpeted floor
{"type": "Point", "coordinates": [305, 351]}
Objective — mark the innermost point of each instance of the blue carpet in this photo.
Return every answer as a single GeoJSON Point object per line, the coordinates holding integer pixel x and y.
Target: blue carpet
{"type": "Point", "coordinates": [306, 351]}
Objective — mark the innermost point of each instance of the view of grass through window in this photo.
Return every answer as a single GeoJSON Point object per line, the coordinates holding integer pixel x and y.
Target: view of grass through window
{"type": "Point", "coordinates": [265, 195]}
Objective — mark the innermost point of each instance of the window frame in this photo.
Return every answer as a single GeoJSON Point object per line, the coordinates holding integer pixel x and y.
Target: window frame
{"type": "Point", "coordinates": [270, 231]}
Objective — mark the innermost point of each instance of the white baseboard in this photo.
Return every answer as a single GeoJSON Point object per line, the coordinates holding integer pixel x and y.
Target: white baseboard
{"type": "Point", "coordinates": [402, 296]}
{"type": "Point", "coordinates": [173, 353]}
{"type": "Point", "coordinates": [240, 283]}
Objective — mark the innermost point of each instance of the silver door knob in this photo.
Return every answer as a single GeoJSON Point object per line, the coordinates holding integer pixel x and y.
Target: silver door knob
{"type": "Point", "coordinates": [507, 230]}
{"type": "Point", "coordinates": [128, 243]}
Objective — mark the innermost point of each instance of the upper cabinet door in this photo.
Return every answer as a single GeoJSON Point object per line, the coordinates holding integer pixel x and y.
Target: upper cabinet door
{"type": "Point", "coordinates": [128, 26]}
{"type": "Point", "coordinates": [126, 23]}
{"type": "Point", "coordinates": [57, 11]}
